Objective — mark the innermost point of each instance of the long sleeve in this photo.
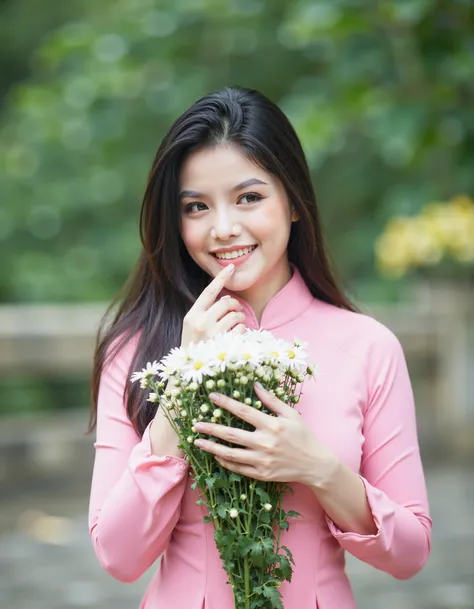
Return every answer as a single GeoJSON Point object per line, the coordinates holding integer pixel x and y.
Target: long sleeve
{"type": "Point", "coordinates": [391, 469]}
{"type": "Point", "coordinates": [135, 496]}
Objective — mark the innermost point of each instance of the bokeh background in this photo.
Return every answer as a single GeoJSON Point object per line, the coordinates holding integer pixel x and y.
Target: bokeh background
{"type": "Point", "coordinates": [381, 94]}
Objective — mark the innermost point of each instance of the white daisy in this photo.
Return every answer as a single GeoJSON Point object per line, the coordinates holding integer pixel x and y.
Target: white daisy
{"type": "Point", "coordinates": [295, 358]}
{"type": "Point", "coordinates": [172, 363]}
{"type": "Point", "coordinates": [151, 369]}
{"type": "Point", "coordinates": [197, 364]}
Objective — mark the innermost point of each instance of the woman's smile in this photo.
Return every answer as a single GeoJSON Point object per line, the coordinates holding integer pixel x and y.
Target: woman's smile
{"type": "Point", "coordinates": [236, 257]}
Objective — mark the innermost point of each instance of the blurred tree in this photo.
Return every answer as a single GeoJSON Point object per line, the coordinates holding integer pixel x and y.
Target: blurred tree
{"type": "Point", "coordinates": [23, 23]}
{"type": "Point", "coordinates": [380, 93]}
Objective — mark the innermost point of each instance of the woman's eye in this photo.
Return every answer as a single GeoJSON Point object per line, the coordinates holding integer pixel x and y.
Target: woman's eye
{"type": "Point", "coordinates": [193, 207]}
{"type": "Point", "coordinates": [251, 198]}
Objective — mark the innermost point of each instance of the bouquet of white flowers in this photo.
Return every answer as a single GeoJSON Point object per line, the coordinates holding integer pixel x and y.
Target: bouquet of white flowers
{"type": "Point", "coordinates": [246, 514]}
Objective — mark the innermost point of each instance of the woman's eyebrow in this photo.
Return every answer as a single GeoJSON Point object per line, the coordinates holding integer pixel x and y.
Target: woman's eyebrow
{"type": "Point", "coordinates": [193, 194]}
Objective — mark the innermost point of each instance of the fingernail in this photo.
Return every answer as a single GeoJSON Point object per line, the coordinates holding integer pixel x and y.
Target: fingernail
{"type": "Point", "coordinates": [230, 268]}
{"type": "Point", "coordinates": [258, 385]}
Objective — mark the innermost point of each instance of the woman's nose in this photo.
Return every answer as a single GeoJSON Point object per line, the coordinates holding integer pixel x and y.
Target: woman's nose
{"type": "Point", "coordinates": [224, 228]}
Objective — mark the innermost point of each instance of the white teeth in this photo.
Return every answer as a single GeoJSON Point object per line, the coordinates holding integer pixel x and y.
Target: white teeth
{"type": "Point", "coordinates": [235, 253]}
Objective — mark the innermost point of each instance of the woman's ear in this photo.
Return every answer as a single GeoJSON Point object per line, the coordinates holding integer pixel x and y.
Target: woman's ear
{"type": "Point", "coordinates": [294, 215]}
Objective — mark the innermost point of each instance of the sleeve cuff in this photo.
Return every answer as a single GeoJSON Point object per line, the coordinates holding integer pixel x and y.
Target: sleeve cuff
{"type": "Point", "coordinates": [142, 456]}
{"type": "Point", "coordinates": [382, 514]}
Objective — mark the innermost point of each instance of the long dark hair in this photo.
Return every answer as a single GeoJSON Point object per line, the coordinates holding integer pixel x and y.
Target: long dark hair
{"type": "Point", "coordinates": [166, 281]}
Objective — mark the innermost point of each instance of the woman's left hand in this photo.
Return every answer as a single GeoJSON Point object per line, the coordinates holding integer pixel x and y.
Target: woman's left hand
{"type": "Point", "coordinates": [281, 448]}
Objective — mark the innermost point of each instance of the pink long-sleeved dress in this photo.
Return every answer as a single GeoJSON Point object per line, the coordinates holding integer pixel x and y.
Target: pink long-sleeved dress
{"type": "Point", "coordinates": [360, 406]}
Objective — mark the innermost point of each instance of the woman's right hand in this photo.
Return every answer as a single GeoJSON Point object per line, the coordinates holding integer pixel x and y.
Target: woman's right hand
{"type": "Point", "coordinates": [207, 318]}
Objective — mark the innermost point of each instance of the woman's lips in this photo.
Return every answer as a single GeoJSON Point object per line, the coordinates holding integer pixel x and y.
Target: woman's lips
{"type": "Point", "coordinates": [235, 261]}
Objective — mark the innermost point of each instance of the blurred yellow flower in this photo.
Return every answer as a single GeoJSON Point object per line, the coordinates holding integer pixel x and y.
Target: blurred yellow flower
{"type": "Point", "coordinates": [440, 230]}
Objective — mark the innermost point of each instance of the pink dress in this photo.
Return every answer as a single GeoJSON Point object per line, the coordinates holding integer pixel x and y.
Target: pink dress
{"type": "Point", "coordinates": [361, 406]}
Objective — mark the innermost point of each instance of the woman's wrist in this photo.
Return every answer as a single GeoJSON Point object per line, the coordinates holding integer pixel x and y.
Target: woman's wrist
{"type": "Point", "coordinates": [163, 439]}
{"type": "Point", "coordinates": [323, 473]}
{"type": "Point", "coordinates": [342, 496]}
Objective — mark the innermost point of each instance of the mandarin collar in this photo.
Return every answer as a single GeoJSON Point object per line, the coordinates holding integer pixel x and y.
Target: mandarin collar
{"type": "Point", "coordinates": [287, 304]}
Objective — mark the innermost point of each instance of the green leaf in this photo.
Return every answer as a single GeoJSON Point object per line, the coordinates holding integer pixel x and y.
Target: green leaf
{"type": "Point", "coordinates": [210, 482]}
{"type": "Point", "coordinates": [264, 496]}
{"type": "Point", "coordinates": [289, 554]}
{"type": "Point", "coordinates": [221, 510]}
{"type": "Point", "coordinates": [284, 571]}
{"type": "Point", "coordinates": [267, 544]}
{"type": "Point", "coordinates": [293, 514]}
{"type": "Point", "coordinates": [273, 595]}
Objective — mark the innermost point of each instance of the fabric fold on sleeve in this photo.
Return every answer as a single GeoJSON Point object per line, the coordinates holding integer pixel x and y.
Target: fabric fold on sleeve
{"type": "Point", "coordinates": [136, 496]}
{"type": "Point", "coordinates": [391, 469]}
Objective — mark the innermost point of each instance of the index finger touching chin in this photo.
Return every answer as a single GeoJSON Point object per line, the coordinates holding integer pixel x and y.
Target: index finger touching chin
{"type": "Point", "coordinates": [210, 292]}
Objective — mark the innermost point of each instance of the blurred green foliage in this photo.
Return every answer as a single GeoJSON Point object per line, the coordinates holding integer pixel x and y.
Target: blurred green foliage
{"type": "Point", "coordinates": [381, 94]}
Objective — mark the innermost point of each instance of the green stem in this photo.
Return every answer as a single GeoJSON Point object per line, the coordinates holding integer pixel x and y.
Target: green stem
{"type": "Point", "coordinates": [247, 582]}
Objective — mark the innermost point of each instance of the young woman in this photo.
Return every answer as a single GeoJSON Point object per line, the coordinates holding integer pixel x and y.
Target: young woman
{"type": "Point", "coordinates": [229, 210]}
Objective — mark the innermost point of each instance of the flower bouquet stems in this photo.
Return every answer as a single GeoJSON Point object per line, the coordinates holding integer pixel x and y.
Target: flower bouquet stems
{"type": "Point", "coordinates": [246, 514]}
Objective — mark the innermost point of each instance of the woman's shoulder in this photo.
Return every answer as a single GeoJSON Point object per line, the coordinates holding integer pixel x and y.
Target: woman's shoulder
{"type": "Point", "coordinates": [358, 330]}
{"type": "Point", "coordinates": [120, 353]}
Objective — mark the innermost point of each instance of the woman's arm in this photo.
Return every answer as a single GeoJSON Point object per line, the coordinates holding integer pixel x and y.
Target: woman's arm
{"type": "Point", "coordinates": [382, 516]}
{"type": "Point", "coordinates": [342, 496]}
{"type": "Point", "coordinates": [136, 489]}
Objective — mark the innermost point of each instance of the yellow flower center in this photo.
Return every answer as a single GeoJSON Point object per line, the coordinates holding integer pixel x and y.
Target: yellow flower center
{"type": "Point", "coordinates": [247, 356]}
{"type": "Point", "coordinates": [291, 354]}
{"type": "Point", "coordinates": [275, 353]}
{"type": "Point", "coordinates": [198, 365]}
{"type": "Point", "coordinates": [222, 356]}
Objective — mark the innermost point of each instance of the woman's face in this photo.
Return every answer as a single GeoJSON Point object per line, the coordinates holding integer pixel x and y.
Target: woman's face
{"type": "Point", "coordinates": [228, 204]}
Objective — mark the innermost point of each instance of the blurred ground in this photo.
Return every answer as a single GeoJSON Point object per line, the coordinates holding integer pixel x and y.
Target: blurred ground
{"type": "Point", "coordinates": [46, 560]}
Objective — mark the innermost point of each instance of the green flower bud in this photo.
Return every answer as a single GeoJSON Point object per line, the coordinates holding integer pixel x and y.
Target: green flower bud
{"type": "Point", "coordinates": [221, 383]}
{"type": "Point", "coordinates": [189, 439]}
{"type": "Point", "coordinates": [233, 513]}
{"type": "Point", "coordinates": [267, 507]}
{"type": "Point", "coordinates": [243, 497]}
{"type": "Point", "coordinates": [193, 386]}
{"type": "Point", "coordinates": [217, 413]}
{"type": "Point", "coordinates": [236, 395]}
{"type": "Point", "coordinates": [248, 401]}
{"type": "Point", "coordinates": [210, 384]}
{"type": "Point", "coordinates": [244, 380]}
{"type": "Point", "coordinates": [204, 408]}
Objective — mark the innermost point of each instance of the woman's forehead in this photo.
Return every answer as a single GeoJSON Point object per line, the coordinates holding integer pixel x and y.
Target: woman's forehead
{"type": "Point", "coordinates": [222, 165]}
